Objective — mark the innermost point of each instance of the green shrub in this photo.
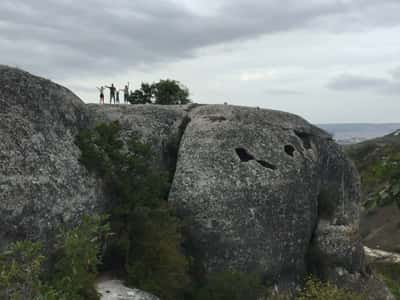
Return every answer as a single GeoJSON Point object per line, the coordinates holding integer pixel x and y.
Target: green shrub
{"type": "Point", "coordinates": [155, 263]}
{"type": "Point", "coordinates": [22, 275]}
{"type": "Point", "coordinates": [20, 269]}
{"type": "Point", "coordinates": [146, 241]}
{"type": "Point", "coordinates": [317, 290]}
{"type": "Point", "coordinates": [390, 274]}
{"type": "Point", "coordinates": [78, 256]}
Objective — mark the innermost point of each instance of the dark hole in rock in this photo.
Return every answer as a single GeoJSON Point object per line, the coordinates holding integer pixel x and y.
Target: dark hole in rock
{"type": "Point", "coordinates": [108, 292]}
{"type": "Point", "coordinates": [289, 149]}
{"type": "Point", "coordinates": [244, 155]}
{"type": "Point", "coordinates": [305, 137]}
{"type": "Point", "coordinates": [266, 164]}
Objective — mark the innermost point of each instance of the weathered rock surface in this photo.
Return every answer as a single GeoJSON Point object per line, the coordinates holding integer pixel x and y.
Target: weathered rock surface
{"type": "Point", "coordinates": [265, 191]}
{"type": "Point", "coordinates": [42, 183]}
{"type": "Point", "coordinates": [116, 290]}
{"type": "Point", "coordinates": [262, 191]}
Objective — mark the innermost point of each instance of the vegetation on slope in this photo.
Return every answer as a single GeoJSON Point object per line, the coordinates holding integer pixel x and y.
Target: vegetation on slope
{"type": "Point", "coordinates": [147, 239]}
{"type": "Point", "coordinates": [378, 162]}
{"type": "Point", "coordinates": [72, 272]}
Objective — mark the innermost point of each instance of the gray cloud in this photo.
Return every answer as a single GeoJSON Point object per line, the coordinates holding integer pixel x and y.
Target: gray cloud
{"type": "Point", "coordinates": [69, 38]}
{"type": "Point", "coordinates": [347, 82]}
{"type": "Point", "coordinates": [283, 92]}
{"type": "Point", "coordinates": [396, 73]}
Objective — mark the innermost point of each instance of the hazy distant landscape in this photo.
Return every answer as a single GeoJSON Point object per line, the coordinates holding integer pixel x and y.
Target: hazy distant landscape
{"type": "Point", "coordinates": [349, 133]}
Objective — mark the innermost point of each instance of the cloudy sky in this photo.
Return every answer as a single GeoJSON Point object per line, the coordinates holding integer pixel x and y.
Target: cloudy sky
{"type": "Point", "coordinates": [326, 60]}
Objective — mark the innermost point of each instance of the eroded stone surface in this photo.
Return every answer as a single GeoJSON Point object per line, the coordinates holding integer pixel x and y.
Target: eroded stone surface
{"type": "Point", "coordinates": [264, 191]}
{"type": "Point", "coordinates": [42, 184]}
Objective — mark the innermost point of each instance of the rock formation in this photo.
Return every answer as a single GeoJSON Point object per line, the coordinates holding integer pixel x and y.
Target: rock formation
{"type": "Point", "coordinates": [262, 191]}
{"type": "Point", "coordinates": [42, 184]}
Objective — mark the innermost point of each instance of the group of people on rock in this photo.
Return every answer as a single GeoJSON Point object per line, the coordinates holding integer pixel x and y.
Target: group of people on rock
{"type": "Point", "coordinates": [114, 93]}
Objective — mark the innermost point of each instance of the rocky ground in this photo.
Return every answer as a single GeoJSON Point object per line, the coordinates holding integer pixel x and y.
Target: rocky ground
{"type": "Point", "coordinates": [113, 289]}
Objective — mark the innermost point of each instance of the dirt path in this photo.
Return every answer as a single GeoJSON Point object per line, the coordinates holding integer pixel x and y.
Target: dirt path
{"type": "Point", "coordinates": [113, 289]}
{"type": "Point", "coordinates": [381, 256]}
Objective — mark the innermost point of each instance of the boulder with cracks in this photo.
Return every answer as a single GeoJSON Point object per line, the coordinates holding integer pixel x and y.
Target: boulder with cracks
{"type": "Point", "coordinates": [261, 191]}
{"type": "Point", "coordinates": [264, 191]}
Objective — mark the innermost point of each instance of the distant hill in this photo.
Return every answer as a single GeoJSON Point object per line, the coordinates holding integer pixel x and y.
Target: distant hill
{"type": "Point", "coordinates": [350, 133]}
{"type": "Point", "coordinates": [380, 222]}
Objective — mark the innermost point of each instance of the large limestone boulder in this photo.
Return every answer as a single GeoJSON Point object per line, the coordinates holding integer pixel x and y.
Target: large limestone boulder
{"type": "Point", "coordinates": [42, 184]}
{"type": "Point", "coordinates": [264, 191]}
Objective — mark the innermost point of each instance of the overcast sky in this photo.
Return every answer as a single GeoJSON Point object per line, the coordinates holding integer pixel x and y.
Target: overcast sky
{"type": "Point", "coordinates": [326, 60]}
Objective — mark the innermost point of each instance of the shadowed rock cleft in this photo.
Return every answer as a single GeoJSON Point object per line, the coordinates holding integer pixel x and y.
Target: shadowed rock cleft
{"type": "Point", "coordinates": [266, 164]}
{"type": "Point", "coordinates": [245, 157]}
{"type": "Point", "coordinates": [305, 138]}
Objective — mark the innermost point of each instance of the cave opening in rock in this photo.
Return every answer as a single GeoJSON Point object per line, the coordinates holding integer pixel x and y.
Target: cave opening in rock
{"type": "Point", "coordinates": [305, 138]}
{"type": "Point", "coordinates": [244, 155]}
{"type": "Point", "coordinates": [289, 149]}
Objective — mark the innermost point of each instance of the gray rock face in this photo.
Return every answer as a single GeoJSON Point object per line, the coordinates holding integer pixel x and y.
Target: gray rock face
{"type": "Point", "coordinates": [262, 191]}
{"type": "Point", "coordinates": [265, 191]}
{"type": "Point", "coordinates": [42, 183]}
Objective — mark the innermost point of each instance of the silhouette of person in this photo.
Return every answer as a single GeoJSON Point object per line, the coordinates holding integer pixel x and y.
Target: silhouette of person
{"type": "Point", "coordinates": [126, 93]}
{"type": "Point", "coordinates": [101, 90]}
{"type": "Point", "coordinates": [117, 93]}
{"type": "Point", "coordinates": [112, 89]}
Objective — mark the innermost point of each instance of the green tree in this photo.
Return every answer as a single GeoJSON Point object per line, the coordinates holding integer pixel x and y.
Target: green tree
{"type": "Point", "coordinates": [168, 92]}
{"type": "Point", "coordinates": [79, 252]}
{"type": "Point", "coordinates": [146, 240]}
{"type": "Point", "coordinates": [165, 92]}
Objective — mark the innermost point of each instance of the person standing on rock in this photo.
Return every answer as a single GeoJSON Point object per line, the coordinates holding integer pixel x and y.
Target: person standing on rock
{"type": "Point", "coordinates": [101, 90]}
{"type": "Point", "coordinates": [112, 92]}
{"type": "Point", "coordinates": [126, 93]}
{"type": "Point", "coordinates": [117, 93]}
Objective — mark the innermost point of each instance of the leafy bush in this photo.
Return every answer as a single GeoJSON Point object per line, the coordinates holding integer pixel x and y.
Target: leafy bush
{"type": "Point", "coordinates": [79, 255]}
{"type": "Point", "coordinates": [22, 275]}
{"type": "Point", "coordinates": [20, 268]}
{"type": "Point", "coordinates": [147, 238]}
{"type": "Point", "coordinates": [317, 290]}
